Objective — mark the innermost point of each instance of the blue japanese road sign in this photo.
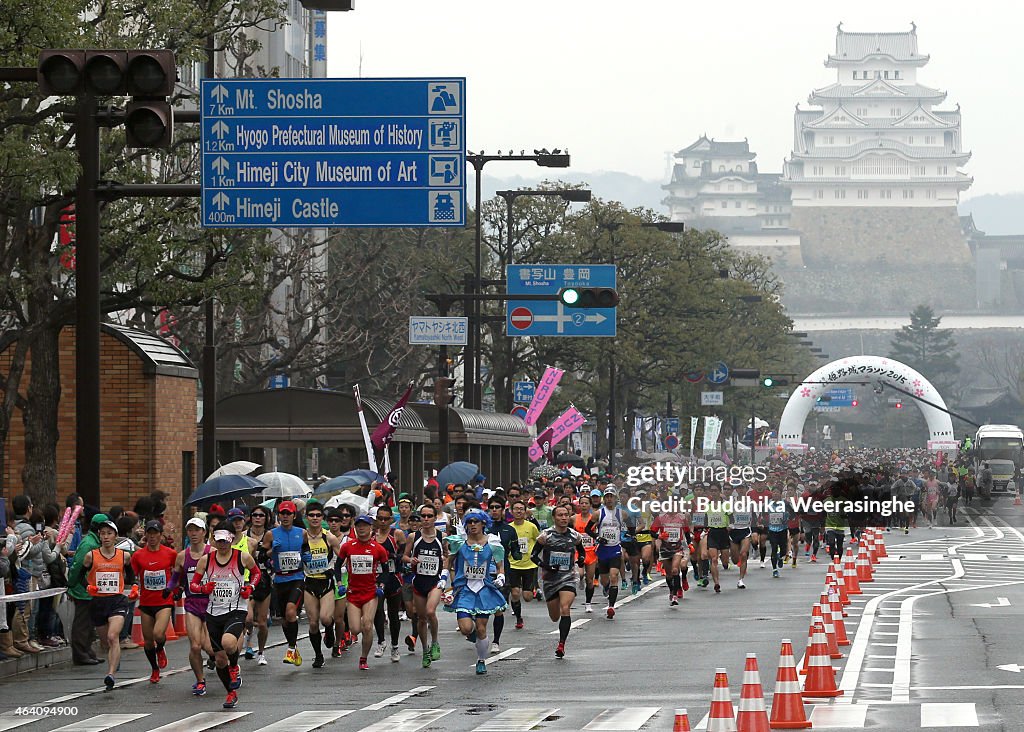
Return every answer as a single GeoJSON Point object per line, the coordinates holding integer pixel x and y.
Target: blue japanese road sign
{"type": "Point", "coordinates": [333, 152]}
{"type": "Point", "coordinates": [552, 318]}
{"type": "Point", "coordinates": [522, 391]}
{"type": "Point", "coordinates": [719, 374]}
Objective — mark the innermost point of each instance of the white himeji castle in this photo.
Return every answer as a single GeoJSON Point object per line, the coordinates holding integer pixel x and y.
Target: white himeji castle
{"type": "Point", "coordinates": [874, 137]}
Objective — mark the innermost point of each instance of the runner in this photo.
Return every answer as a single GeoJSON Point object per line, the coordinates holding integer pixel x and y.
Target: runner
{"type": "Point", "coordinates": [670, 530]}
{"type": "Point", "coordinates": [522, 578]}
{"type": "Point", "coordinates": [425, 553]}
{"type": "Point", "coordinates": [718, 540]}
{"type": "Point", "coordinates": [363, 558]}
{"type": "Point", "coordinates": [778, 534]}
{"type": "Point", "coordinates": [607, 527]}
{"type": "Point", "coordinates": [259, 604]}
{"type": "Point", "coordinates": [339, 519]}
{"type": "Point", "coordinates": [153, 564]}
{"type": "Point", "coordinates": [699, 544]}
{"type": "Point", "coordinates": [319, 552]}
{"type": "Point", "coordinates": [284, 544]}
{"type": "Point", "coordinates": [588, 573]}
{"type": "Point", "coordinates": [195, 603]}
{"type": "Point", "coordinates": [109, 570]}
{"type": "Point", "coordinates": [555, 551]}
{"type": "Point", "coordinates": [759, 531]}
{"type": "Point", "coordinates": [414, 522]}
{"type": "Point", "coordinates": [221, 576]}
{"type": "Point", "coordinates": [392, 540]}
{"type": "Point", "coordinates": [509, 538]}
{"type": "Point", "coordinates": [475, 595]}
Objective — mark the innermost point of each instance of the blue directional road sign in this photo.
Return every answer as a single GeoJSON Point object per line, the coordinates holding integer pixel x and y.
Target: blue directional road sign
{"type": "Point", "coordinates": [842, 396]}
{"type": "Point", "coordinates": [673, 425]}
{"type": "Point", "coordinates": [719, 374]}
{"type": "Point", "coordinates": [522, 391]}
{"type": "Point", "coordinates": [552, 318]}
{"type": "Point", "coordinates": [333, 152]}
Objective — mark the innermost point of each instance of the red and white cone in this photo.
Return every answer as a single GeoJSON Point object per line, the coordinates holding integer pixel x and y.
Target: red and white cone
{"type": "Point", "coordinates": [722, 718]}
{"type": "Point", "coordinates": [832, 598]}
{"type": "Point", "coordinates": [821, 677]}
{"type": "Point", "coordinates": [832, 586]}
{"type": "Point", "coordinates": [880, 546]}
{"type": "Point", "coordinates": [870, 543]}
{"type": "Point", "coordinates": [752, 715]}
{"type": "Point", "coordinates": [823, 611]}
{"type": "Point", "coordinates": [863, 565]}
{"type": "Point", "coordinates": [787, 704]}
{"type": "Point", "coordinates": [850, 574]}
{"type": "Point", "coordinates": [682, 721]}
{"type": "Point", "coordinates": [837, 576]}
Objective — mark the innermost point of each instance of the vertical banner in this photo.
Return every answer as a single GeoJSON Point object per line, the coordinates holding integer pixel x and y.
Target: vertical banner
{"type": "Point", "coordinates": [712, 426]}
{"type": "Point", "coordinates": [545, 388]}
{"type": "Point", "coordinates": [570, 421]}
{"type": "Point", "coordinates": [637, 443]}
{"type": "Point", "coordinates": [366, 433]}
{"type": "Point", "coordinates": [694, 421]}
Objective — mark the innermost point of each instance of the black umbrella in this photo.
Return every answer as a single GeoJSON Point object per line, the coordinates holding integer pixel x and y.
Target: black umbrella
{"type": "Point", "coordinates": [571, 459]}
{"type": "Point", "coordinates": [225, 486]}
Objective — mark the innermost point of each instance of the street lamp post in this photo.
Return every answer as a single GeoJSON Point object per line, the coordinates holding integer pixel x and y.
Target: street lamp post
{"type": "Point", "coordinates": [543, 158]}
{"type": "Point", "coordinates": [569, 195]}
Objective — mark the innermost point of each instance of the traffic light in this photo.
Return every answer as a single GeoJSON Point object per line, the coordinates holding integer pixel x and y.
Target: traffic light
{"type": "Point", "coordinates": [854, 402]}
{"type": "Point", "coordinates": [588, 297]}
{"type": "Point", "coordinates": [444, 391]}
{"type": "Point", "coordinates": [769, 381]}
{"type": "Point", "coordinates": [148, 76]}
{"type": "Point", "coordinates": [897, 404]}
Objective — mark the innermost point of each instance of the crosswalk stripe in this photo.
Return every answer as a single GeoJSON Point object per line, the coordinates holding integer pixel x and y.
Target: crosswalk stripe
{"type": "Point", "coordinates": [976, 557]}
{"type": "Point", "coordinates": [408, 720]}
{"type": "Point", "coordinates": [630, 718]}
{"type": "Point", "coordinates": [100, 722]}
{"type": "Point", "coordinates": [575, 624]}
{"type": "Point", "coordinates": [517, 720]}
{"type": "Point", "coordinates": [849, 716]}
{"type": "Point", "coordinates": [201, 721]}
{"type": "Point", "coordinates": [498, 656]}
{"type": "Point", "coordinates": [961, 714]}
{"type": "Point", "coordinates": [12, 722]}
{"type": "Point", "coordinates": [306, 721]}
{"type": "Point", "coordinates": [396, 699]}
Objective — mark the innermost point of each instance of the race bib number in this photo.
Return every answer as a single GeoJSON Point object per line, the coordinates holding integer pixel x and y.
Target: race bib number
{"type": "Point", "coordinates": [699, 520]}
{"type": "Point", "coordinates": [318, 563]}
{"type": "Point", "coordinates": [741, 519]}
{"type": "Point", "coordinates": [428, 565]}
{"type": "Point", "coordinates": [224, 592]}
{"type": "Point", "coordinates": [108, 583]}
{"type": "Point", "coordinates": [390, 566]}
{"type": "Point", "coordinates": [362, 565]}
{"type": "Point", "coordinates": [715, 517]}
{"type": "Point", "coordinates": [524, 546]}
{"type": "Point", "coordinates": [289, 561]}
{"type": "Point", "coordinates": [588, 541]}
{"type": "Point", "coordinates": [560, 560]}
{"type": "Point", "coordinates": [673, 533]}
{"type": "Point", "coordinates": [154, 579]}
{"type": "Point", "coordinates": [476, 571]}
{"type": "Point", "coordinates": [610, 533]}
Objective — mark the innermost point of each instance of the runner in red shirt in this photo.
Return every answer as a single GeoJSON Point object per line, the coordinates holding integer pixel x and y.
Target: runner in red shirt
{"type": "Point", "coordinates": [760, 495]}
{"type": "Point", "coordinates": [153, 564]}
{"type": "Point", "coordinates": [669, 530]}
{"type": "Point", "coordinates": [364, 558]}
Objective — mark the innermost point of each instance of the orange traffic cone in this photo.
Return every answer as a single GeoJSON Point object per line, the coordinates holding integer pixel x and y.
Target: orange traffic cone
{"type": "Point", "coordinates": [823, 613]}
{"type": "Point", "coordinates": [682, 723]}
{"type": "Point", "coordinates": [821, 678]}
{"type": "Point", "coordinates": [179, 617]}
{"type": "Point", "coordinates": [1016, 498]}
{"type": "Point", "coordinates": [863, 566]}
{"type": "Point", "coordinates": [832, 586]}
{"type": "Point", "coordinates": [880, 546]}
{"type": "Point", "coordinates": [752, 716]}
{"type": "Point", "coordinates": [170, 634]}
{"type": "Point", "coordinates": [722, 718]}
{"type": "Point", "coordinates": [787, 704]}
{"type": "Point", "coordinates": [137, 627]}
{"type": "Point", "coordinates": [837, 617]}
{"type": "Point", "coordinates": [850, 574]}
{"type": "Point", "coordinates": [837, 577]}
{"type": "Point", "coordinates": [872, 551]}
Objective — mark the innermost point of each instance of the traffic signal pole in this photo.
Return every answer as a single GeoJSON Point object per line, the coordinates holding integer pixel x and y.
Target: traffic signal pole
{"type": "Point", "coordinates": [87, 303]}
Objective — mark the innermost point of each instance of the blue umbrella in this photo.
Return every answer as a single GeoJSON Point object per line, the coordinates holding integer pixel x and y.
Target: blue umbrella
{"type": "Point", "coordinates": [461, 472]}
{"type": "Point", "coordinates": [348, 481]}
{"type": "Point", "coordinates": [225, 486]}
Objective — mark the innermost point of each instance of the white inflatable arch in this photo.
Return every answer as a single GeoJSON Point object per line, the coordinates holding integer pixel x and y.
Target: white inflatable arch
{"type": "Point", "coordinates": [871, 369]}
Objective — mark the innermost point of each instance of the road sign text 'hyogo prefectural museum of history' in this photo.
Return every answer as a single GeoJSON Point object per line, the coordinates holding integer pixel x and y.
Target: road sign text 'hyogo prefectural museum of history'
{"type": "Point", "coordinates": [333, 152]}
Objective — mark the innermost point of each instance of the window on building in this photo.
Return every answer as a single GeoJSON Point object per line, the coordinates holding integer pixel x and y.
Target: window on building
{"type": "Point", "coordinates": [885, 193]}
{"type": "Point", "coordinates": [887, 73]}
{"type": "Point", "coordinates": [828, 140]}
{"type": "Point", "coordinates": [929, 194]}
{"type": "Point", "coordinates": [942, 170]}
{"type": "Point", "coordinates": [896, 112]}
{"type": "Point", "coordinates": [929, 139]}
{"type": "Point", "coordinates": [908, 193]}
{"type": "Point", "coordinates": [718, 187]}
{"type": "Point", "coordinates": [919, 170]}
{"type": "Point", "coordinates": [839, 193]}
{"type": "Point", "coordinates": [696, 163]}
{"type": "Point", "coordinates": [862, 194]}
{"type": "Point", "coordinates": [896, 74]}
{"type": "Point", "coordinates": [721, 168]}
{"type": "Point", "coordinates": [738, 204]}
{"type": "Point", "coordinates": [725, 204]}
{"type": "Point", "coordinates": [840, 170]}
{"type": "Point", "coordinates": [819, 193]}
{"type": "Point", "coordinates": [910, 139]}
{"type": "Point", "coordinates": [849, 139]}
{"type": "Point", "coordinates": [878, 74]}
{"type": "Point", "coordinates": [856, 75]}
{"type": "Point", "coordinates": [731, 187]}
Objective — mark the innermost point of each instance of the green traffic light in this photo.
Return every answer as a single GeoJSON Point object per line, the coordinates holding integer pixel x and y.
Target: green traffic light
{"type": "Point", "coordinates": [570, 296]}
{"type": "Point", "coordinates": [768, 382]}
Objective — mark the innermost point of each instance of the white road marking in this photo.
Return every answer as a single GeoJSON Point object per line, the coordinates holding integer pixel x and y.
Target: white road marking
{"type": "Point", "coordinates": [498, 656]}
{"type": "Point", "coordinates": [852, 716]}
{"type": "Point", "coordinates": [307, 721]}
{"type": "Point", "coordinates": [949, 715]}
{"type": "Point", "coordinates": [396, 699]}
{"type": "Point", "coordinates": [630, 718]}
{"type": "Point", "coordinates": [976, 557]}
{"type": "Point", "coordinates": [12, 722]}
{"type": "Point", "coordinates": [575, 624]}
{"type": "Point", "coordinates": [201, 721]}
{"type": "Point", "coordinates": [408, 720]}
{"type": "Point", "coordinates": [517, 720]}
{"type": "Point", "coordinates": [641, 593]}
{"type": "Point", "coordinates": [100, 722]}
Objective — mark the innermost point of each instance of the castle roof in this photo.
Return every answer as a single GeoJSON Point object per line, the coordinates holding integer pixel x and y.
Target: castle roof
{"type": "Point", "coordinates": [719, 148]}
{"type": "Point", "coordinates": [877, 89]}
{"type": "Point", "coordinates": [854, 47]}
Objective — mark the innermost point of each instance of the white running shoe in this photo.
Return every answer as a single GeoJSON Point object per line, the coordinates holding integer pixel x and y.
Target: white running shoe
{"type": "Point", "coordinates": [261, 660]}
{"type": "Point", "coordinates": [394, 654]}
{"type": "Point", "coordinates": [762, 564]}
{"type": "Point", "coordinates": [588, 608]}
{"type": "Point", "coordinates": [495, 648]}
{"type": "Point", "coordinates": [402, 616]}
{"type": "Point", "coordinates": [740, 585]}
{"type": "Point", "coordinates": [381, 648]}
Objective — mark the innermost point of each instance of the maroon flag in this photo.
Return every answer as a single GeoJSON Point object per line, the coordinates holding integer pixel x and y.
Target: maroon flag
{"type": "Point", "coordinates": [381, 437]}
{"type": "Point", "coordinates": [544, 443]}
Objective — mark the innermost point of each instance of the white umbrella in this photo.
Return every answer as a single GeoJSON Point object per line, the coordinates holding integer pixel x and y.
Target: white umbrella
{"type": "Point", "coordinates": [284, 485]}
{"type": "Point", "coordinates": [361, 504]}
{"type": "Point", "coordinates": [238, 467]}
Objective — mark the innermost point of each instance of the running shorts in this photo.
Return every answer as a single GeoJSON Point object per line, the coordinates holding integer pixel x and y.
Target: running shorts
{"type": "Point", "coordinates": [232, 623]}
{"type": "Point", "coordinates": [289, 593]}
{"type": "Point", "coordinates": [102, 609]}
{"type": "Point", "coordinates": [524, 578]}
{"type": "Point", "coordinates": [719, 539]}
{"type": "Point", "coordinates": [319, 587]}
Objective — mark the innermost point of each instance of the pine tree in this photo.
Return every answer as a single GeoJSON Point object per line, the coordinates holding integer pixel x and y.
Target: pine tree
{"type": "Point", "coordinates": [923, 346]}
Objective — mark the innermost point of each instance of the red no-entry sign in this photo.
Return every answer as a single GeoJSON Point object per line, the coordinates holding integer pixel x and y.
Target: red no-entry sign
{"type": "Point", "coordinates": [521, 318]}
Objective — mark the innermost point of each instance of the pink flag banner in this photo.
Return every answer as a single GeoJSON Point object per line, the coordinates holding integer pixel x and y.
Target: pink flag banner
{"type": "Point", "coordinates": [545, 388]}
{"type": "Point", "coordinates": [570, 421]}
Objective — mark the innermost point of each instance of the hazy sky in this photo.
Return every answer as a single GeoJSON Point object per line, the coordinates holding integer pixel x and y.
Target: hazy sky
{"type": "Point", "coordinates": [620, 84]}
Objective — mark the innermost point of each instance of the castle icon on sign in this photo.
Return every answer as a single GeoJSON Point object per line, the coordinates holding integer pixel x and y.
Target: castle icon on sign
{"type": "Point", "coordinates": [444, 98]}
{"type": "Point", "coordinates": [445, 207]}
